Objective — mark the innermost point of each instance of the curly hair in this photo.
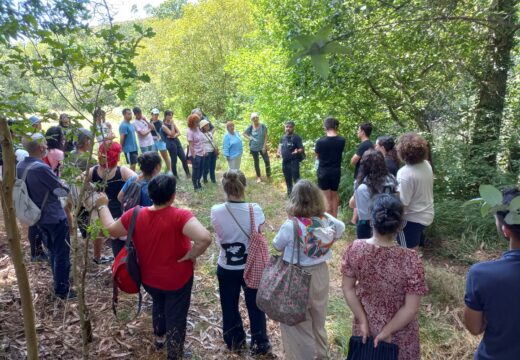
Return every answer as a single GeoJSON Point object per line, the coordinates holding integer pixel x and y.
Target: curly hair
{"type": "Point", "coordinates": [193, 119]}
{"type": "Point", "coordinates": [372, 171]}
{"type": "Point", "coordinates": [412, 148]}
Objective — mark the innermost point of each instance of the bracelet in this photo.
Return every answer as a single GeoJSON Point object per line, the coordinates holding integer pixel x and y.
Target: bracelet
{"type": "Point", "coordinates": [101, 207]}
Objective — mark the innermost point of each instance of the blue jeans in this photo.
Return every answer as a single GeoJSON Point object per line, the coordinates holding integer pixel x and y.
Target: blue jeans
{"type": "Point", "coordinates": [210, 163]}
{"type": "Point", "coordinates": [197, 167]}
{"type": "Point", "coordinates": [58, 242]}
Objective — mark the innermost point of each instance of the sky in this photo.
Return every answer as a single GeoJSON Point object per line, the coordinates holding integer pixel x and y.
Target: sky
{"type": "Point", "coordinates": [122, 9]}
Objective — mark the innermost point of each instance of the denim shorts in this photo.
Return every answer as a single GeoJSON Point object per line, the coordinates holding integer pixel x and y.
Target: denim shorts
{"type": "Point", "coordinates": [159, 145]}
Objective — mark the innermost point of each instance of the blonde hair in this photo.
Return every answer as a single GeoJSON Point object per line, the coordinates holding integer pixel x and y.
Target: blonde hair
{"type": "Point", "coordinates": [306, 200]}
{"type": "Point", "coordinates": [234, 183]}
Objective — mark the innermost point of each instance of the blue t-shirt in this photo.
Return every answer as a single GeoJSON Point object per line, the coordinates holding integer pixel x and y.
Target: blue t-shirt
{"type": "Point", "coordinates": [493, 287]}
{"type": "Point", "coordinates": [232, 145]}
{"type": "Point", "coordinates": [130, 144]}
{"type": "Point", "coordinates": [145, 198]}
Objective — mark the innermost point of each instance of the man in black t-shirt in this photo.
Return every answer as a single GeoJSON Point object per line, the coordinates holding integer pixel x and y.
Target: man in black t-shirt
{"type": "Point", "coordinates": [363, 133]}
{"type": "Point", "coordinates": [329, 152]}
{"type": "Point", "coordinates": [291, 151]}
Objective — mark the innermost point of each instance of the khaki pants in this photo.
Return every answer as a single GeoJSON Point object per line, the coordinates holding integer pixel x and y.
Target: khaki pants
{"type": "Point", "coordinates": [308, 339]}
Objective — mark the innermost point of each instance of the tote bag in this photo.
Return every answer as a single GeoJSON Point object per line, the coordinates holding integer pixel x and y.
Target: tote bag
{"type": "Point", "coordinates": [283, 293]}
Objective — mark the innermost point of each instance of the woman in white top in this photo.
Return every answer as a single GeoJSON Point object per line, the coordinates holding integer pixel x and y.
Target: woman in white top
{"type": "Point", "coordinates": [232, 224]}
{"type": "Point", "coordinates": [415, 188]}
{"type": "Point", "coordinates": [211, 151]}
{"type": "Point", "coordinates": [317, 232]}
{"type": "Point", "coordinates": [373, 179]}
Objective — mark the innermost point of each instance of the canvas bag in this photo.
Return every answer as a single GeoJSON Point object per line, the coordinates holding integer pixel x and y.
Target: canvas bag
{"type": "Point", "coordinates": [258, 254]}
{"type": "Point", "coordinates": [126, 275]}
{"type": "Point", "coordinates": [359, 351]}
{"type": "Point", "coordinates": [26, 210]}
{"type": "Point", "coordinates": [283, 293]}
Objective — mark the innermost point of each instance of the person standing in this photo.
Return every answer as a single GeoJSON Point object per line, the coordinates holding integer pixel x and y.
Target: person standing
{"type": "Point", "coordinates": [386, 146]}
{"type": "Point", "coordinates": [170, 135]}
{"type": "Point", "coordinates": [159, 144]}
{"type": "Point", "coordinates": [64, 123]}
{"type": "Point", "coordinates": [232, 223]}
{"type": "Point", "coordinates": [232, 147]}
{"type": "Point", "coordinates": [44, 189]}
{"type": "Point", "coordinates": [317, 232]}
{"type": "Point", "coordinates": [291, 150]}
{"type": "Point", "coordinates": [196, 150]}
{"type": "Point", "coordinates": [383, 283]}
{"type": "Point", "coordinates": [256, 133]}
{"type": "Point", "coordinates": [493, 292]}
{"type": "Point", "coordinates": [363, 133]}
{"type": "Point", "coordinates": [415, 180]}
{"type": "Point", "coordinates": [162, 238]}
{"type": "Point", "coordinates": [329, 152]}
{"type": "Point", "coordinates": [55, 143]}
{"type": "Point", "coordinates": [103, 128]}
{"type": "Point", "coordinates": [127, 137]}
{"type": "Point", "coordinates": [211, 150]}
{"type": "Point", "coordinates": [144, 131]}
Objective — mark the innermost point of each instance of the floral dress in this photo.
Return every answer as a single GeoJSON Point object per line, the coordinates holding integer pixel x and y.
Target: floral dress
{"type": "Point", "coordinates": [385, 276]}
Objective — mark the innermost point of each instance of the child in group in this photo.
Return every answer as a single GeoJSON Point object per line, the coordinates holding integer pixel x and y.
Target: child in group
{"type": "Point", "coordinates": [493, 293]}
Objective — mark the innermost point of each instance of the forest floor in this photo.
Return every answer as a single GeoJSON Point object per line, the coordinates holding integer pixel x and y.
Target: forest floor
{"type": "Point", "coordinates": [58, 328]}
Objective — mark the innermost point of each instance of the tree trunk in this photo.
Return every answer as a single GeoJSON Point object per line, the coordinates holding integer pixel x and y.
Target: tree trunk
{"type": "Point", "coordinates": [493, 85]}
{"type": "Point", "coordinates": [13, 237]}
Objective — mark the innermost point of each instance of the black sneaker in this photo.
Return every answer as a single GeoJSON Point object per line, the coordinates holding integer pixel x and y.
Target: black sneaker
{"type": "Point", "coordinates": [259, 350]}
{"type": "Point", "coordinates": [160, 342]}
{"type": "Point", "coordinates": [68, 296]}
{"type": "Point", "coordinates": [40, 258]}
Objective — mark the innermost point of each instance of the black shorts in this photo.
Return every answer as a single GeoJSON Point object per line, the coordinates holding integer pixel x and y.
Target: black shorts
{"type": "Point", "coordinates": [328, 179]}
{"type": "Point", "coordinates": [131, 157]}
{"type": "Point", "coordinates": [411, 234]}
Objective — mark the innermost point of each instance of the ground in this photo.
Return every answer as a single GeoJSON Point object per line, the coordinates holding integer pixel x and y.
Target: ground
{"type": "Point", "coordinates": [442, 333]}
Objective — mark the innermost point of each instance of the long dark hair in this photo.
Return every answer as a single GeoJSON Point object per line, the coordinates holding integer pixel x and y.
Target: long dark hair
{"type": "Point", "coordinates": [373, 171]}
{"type": "Point", "coordinates": [388, 143]}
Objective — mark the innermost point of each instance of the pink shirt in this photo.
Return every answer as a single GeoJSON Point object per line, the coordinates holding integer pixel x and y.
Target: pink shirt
{"type": "Point", "coordinates": [196, 137]}
{"type": "Point", "coordinates": [54, 159]}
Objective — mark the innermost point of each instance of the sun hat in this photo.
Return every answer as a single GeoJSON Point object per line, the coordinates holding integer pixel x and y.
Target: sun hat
{"type": "Point", "coordinates": [34, 120]}
{"type": "Point", "coordinates": [203, 123]}
{"type": "Point", "coordinates": [155, 111]}
{"type": "Point", "coordinates": [254, 115]}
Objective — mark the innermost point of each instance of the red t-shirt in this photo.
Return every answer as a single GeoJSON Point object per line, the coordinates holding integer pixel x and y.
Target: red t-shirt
{"type": "Point", "coordinates": [159, 244]}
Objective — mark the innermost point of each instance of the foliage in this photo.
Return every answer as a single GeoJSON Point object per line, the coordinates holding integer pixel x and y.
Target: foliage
{"type": "Point", "coordinates": [491, 201]}
{"type": "Point", "coordinates": [171, 9]}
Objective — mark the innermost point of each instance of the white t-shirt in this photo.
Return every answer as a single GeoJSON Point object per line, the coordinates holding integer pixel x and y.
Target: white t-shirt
{"type": "Point", "coordinates": [21, 154]}
{"type": "Point", "coordinates": [416, 192]}
{"type": "Point", "coordinates": [364, 197]}
{"type": "Point", "coordinates": [233, 243]}
{"type": "Point", "coordinates": [284, 240]}
{"type": "Point", "coordinates": [207, 140]}
{"type": "Point", "coordinates": [144, 140]}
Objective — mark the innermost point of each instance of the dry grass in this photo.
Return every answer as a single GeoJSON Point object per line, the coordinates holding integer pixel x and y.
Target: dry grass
{"type": "Point", "coordinates": [442, 335]}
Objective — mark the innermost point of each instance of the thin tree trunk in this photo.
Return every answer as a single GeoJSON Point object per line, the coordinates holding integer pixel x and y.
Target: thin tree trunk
{"type": "Point", "coordinates": [13, 237]}
{"type": "Point", "coordinates": [493, 85]}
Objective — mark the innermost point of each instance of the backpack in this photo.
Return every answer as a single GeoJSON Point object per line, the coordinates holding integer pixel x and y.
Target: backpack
{"type": "Point", "coordinates": [26, 210]}
{"type": "Point", "coordinates": [319, 237]}
{"type": "Point", "coordinates": [132, 196]}
{"type": "Point", "coordinates": [126, 274]}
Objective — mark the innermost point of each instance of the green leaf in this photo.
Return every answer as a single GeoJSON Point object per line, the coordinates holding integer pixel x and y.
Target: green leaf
{"type": "Point", "coordinates": [321, 64]}
{"type": "Point", "coordinates": [473, 201]}
{"type": "Point", "coordinates": [305, 41]}
{"type": "Point", "coordinates": [514, 206]}
{"type": "Point", "coordinates": [512, 218]}
{"type": "Point", "coordinates": [490, 194]}
{"type": "Point", "coordinates": [485, 209]}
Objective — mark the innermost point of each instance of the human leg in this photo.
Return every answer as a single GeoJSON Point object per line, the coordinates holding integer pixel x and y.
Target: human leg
{"type": "Point", "coordinates": [212, 166]}
{"type": "Point", "coordinates": [166, 158]}
{"type": "Point", "coordinates": [58, 241]}
{"type": "Point", "coordinates": [182, 157]}
{"type": "Point", "coordinates": [298, 340]}
{"type": "Point", "coordinates": [172, 150]}
{"type": "Point", "coordinates": [318, 299]}
{"type": "Point", "coordinates": [286, 169]}
{"type": "Point", "coordinates": [230, 282]}
{"type": "Point", "coordinates": [35, 236]}
{"type": "Point", "coordinates": [256, 161]}
{"type": "Point", "coordinates": [412, 233]}
{"type": "Point", "coordinates": [117, 245]}
{"type": "Point", "coordinates": [205, 172]}
{"type": "Point", "coordinates": [265, 156]}
{"type": "Point", "coordinates": [295, 170]}
{"type": "Point", "coordinates": [257, 321]}
{"type": "Point", "coordinates": [158, 312]}
{"type": "Point", "coordinates": [196, 168]}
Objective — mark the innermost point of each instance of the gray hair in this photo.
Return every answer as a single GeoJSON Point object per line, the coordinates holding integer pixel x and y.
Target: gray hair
{"type": "Point", "coordinates": [32, 142]}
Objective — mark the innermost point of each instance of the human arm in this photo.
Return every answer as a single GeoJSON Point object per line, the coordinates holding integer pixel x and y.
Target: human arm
{"type": "Point", "coordinates": [169, 133]}
{"type": "Point", "coordinates": [122, 134]}
{"type": "Point", "coordinates": [298, 144]}
{"type": "Point", "coordinates": [177, 131]}
{"type": "Point", "coordinates": [266, 136]}
{"type": "Point", "coordinates": [279, 150]}
{"type": "Point", "coordinates": [474, 321]}
{"type": "Point", "coordinates": [406, 314]}
{"type": "Point", "coordinates": [226, 145]}
{"type": "Point", "coordinates": [284, 236]}
{"type": "Point", "coordinates": [114, 228]}
{"type": "Point", "coordinates": [142, 129]}
{"type": "Point", "coordinates": [352, 202]}
{"type": "Point", "coordinates": [349, 291]}
{"type": "Point", "coordinates": [127, 173]}
{"type": "Point", "coordinates": [199, 235]}
{"type": "Point", "coordinates": [355, 159]}
{"type": "Point", "coordinates": [121, 194]}
{"type": "Point", "coordinates": [247, 133]}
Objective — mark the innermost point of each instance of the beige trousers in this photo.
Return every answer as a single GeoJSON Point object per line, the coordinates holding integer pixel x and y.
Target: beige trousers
{"type": "Point", "coordinates": [308, 340]}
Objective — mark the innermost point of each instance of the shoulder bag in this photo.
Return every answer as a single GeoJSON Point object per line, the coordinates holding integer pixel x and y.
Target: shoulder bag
{"type": "Point", "coordinates": [283, 293]}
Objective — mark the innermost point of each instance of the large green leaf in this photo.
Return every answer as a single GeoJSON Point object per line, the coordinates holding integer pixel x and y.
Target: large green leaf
{"type": "Point", "coordinates": [321, 64]}
{"type": "Point", "coordinates": [490, 194]}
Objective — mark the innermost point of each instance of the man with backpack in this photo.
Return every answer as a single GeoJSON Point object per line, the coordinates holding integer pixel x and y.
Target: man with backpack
{"type": "Point", "coordinates": [43, 189]}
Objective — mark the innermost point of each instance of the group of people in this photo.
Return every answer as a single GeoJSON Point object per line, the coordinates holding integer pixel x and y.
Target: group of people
{"type": "Point", "coordinates": [168, 240]}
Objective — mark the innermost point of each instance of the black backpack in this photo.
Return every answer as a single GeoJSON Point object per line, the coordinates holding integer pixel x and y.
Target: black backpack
{"type": "Point", "coordinates": [132, 196]}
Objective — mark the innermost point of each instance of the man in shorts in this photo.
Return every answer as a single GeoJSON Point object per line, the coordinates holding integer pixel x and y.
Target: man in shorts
{"type": "Point", "coordinates": [127, 137]}
{"type": "Point", "coordinates": [329, 152]}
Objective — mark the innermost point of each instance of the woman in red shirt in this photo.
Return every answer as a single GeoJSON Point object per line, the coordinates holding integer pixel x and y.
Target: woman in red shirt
{"type": "Point", "coordinates": [162, 239]}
